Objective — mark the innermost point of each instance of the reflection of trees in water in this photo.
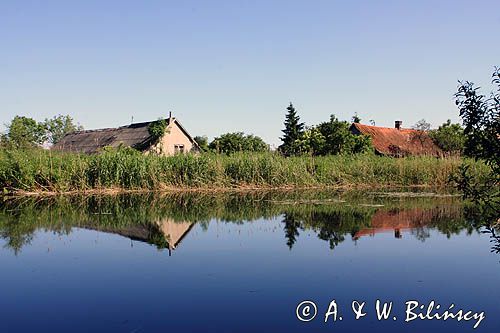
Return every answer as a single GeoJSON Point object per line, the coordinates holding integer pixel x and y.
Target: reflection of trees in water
{"type": "Point", "coordinates": [486, 215]}
{"type": "Point", "coordinates": [17, 240]}
{"type": "Point", "coordinates": [333, 237]}
{"type": "Point", "coordinates": [494, 238]}
{"type": "Point", "coordinates": [330, 223]}
{"type": "Point", "coordinates": [421, 233]}
{"type": "Point", "coordinates": [137, 216]}
{"type": "Point", "coordinates": [291, 229]}
{"type": "Point", "coordinates": [334, 224]}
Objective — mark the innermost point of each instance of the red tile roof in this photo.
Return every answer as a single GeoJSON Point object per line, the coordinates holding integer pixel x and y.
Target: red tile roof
{"type": "Point", "coordinates": [398, 142]}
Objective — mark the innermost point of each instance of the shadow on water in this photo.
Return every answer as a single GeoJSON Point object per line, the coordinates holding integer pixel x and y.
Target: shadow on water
{"type": "Point", "coordinates": [164, 220]}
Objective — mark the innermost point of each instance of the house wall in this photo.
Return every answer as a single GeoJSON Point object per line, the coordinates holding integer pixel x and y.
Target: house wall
{"type": "Point", "coordinates": [173, 137]}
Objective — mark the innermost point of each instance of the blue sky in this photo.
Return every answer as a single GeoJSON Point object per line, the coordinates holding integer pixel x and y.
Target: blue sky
{"type": "Point", "coordinates": [224, 66]}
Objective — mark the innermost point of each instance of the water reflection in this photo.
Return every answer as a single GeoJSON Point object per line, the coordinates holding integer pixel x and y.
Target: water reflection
{"type": "Point", "coordinates": [164, 233]}
{"type": "Point", "coordinates": [165, 220]}
{"type": "Point", "coordinates": [494, 238]}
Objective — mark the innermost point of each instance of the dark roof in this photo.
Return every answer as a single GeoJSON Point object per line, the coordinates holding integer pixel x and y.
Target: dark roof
{"type": "Point", "coordinates": [91, 141]}
{"type": "Point", "coordinates": [168, 232]}
{"type": "Point", "coordinates": [398, 142]}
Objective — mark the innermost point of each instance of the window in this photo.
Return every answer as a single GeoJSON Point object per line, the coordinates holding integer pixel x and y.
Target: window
{"type": "Point", "coordinates": [179, 149]}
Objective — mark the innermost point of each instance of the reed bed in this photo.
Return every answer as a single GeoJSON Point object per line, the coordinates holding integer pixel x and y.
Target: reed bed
{"type": "Point", "coordinates": [48, 171]}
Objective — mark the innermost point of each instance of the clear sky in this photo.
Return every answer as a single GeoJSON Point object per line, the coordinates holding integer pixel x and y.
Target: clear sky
{"type": "Point", "coordinates": [224, 66]}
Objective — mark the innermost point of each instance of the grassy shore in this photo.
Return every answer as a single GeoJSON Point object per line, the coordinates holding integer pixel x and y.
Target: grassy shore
{"type": "Point", "coordinates": [47, 171]}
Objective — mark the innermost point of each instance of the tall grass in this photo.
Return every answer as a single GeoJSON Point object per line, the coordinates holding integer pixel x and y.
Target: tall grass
{"type": "Point", "coordinates": [42, 170]}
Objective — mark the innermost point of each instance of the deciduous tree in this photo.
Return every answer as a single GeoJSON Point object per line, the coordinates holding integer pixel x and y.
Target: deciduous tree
{"type": "Point", "coordinates": [58, 126]}
{"type": "Point", "coordinates": [202, 142]}
{"type": "Point", "coordinates": [233, 142]}
{"type": "Point", "coordinates": [25, 132]}
{"type": "Point", "coordinates": [340, 140]}
{"type": "Point", "coordinates": [481, 119]}
{"type": "Point", "coordinates": [449, 137]}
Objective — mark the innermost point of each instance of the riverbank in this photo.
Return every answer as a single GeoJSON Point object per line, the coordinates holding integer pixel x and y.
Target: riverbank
{"type": "Point", "coordinates": [42, 171]}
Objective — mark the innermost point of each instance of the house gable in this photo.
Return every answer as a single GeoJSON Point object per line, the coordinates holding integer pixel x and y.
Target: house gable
{"type": "Point", "coordinates": [175, 140]}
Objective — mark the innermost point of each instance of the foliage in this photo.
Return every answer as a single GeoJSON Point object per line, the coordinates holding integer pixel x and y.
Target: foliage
{"type": "Point", "coordinates": [422, 125]}
{"type": "Point", "coordinates": [292, 133]}
{"type": "Point", "coordinates": [58, 126]}
{"type": "Point", "coordinates": [4, 140]}
{"type": "Point", "coordinates": [481, 119]}
{"type": "Point", "coordinates": [157, 129]}
{"type": "Point", "coordinates": [481, 188]}
{"type": "Point", "coordinates": [291, 228]}
{"type": "Point", "coordinates": [328, 138]}
{"type": "Point", "coordinates": [229, 143]}
{"type": "Point", "coordinates": [202, 142]}
{"type": "Point", "coordinates": [338, 139]}
{"type": "Point", "coordinates": [25, 132]}
{"type": "Point", "coordinates": [356, 119]}
{"type": "Point", "coordinates": [449, 137]}
{"type": "Point", "coordinates": [311, 142]}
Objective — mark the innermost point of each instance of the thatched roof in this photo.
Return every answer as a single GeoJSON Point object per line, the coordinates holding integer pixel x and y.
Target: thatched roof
{"type": "Point", "coordinates": [171, 232]}
{"type": "Point", "coordinates": [90, 141]}
{"type": "Point", "coordinates": [398, 142]}
{"type": "Point", "coordinates": [135, 135]}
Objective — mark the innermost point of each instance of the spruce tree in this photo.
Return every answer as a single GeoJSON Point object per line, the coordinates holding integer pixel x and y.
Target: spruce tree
{"type": "Point", "coordinates": [292, 132]}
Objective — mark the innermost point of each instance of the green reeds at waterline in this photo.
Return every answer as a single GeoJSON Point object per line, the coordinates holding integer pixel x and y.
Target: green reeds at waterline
{"type": "Point", "coordinates": [48, 171]}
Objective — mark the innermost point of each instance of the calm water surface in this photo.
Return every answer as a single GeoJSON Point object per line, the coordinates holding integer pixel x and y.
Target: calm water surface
{"type": "Point", "coordinates": [241, 263]}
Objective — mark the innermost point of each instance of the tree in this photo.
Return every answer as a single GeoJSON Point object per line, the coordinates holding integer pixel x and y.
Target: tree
{"type": "Point", "coordinates": [233, 142]}
{"type": "Point", "coordinates": [312, 141]}
{"type": "Point", "coordinates": [292, 133]}
{"type": "Point", "coordinates": [481, 119]}
{"type": "Point", "coordinates": [449, 137]}
{"type": "Point", "coordinates": [421, 128]}
{"type": "Point", "coordinates": [340, 140]}
{"type": "Point", "coordinates": [202, 142]}
{"type": "Point", "coordinates": [25, 132]}
{"type": "Point", "coordinates": [58, 126]}
{"type": "Point", "coordinates": [291, 228]}
{"type": "Point", "coordinates": [3, 140]}
{"type": "Point", "coordinates": [422, 125]}
{"type": "Point", "coordinates": [355, 118]}
{"type": "Point", "coordinates": [157, 129]}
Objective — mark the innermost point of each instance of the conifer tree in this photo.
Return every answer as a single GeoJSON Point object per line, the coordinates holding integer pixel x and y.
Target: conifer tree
{"type": "Point", "coordinates": [293, 131]}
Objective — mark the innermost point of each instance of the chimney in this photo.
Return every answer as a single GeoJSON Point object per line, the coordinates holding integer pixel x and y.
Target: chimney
{"type": "Point", "coordinates": [170, 118]}
{"type": "Point", "coordinates": [397, 124]}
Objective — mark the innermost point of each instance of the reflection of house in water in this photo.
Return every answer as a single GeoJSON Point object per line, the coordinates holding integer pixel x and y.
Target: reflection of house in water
{"type": "Point", "coordinates": [398, 221]}
{"type": "Point", "coordinates": [165, 233]}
